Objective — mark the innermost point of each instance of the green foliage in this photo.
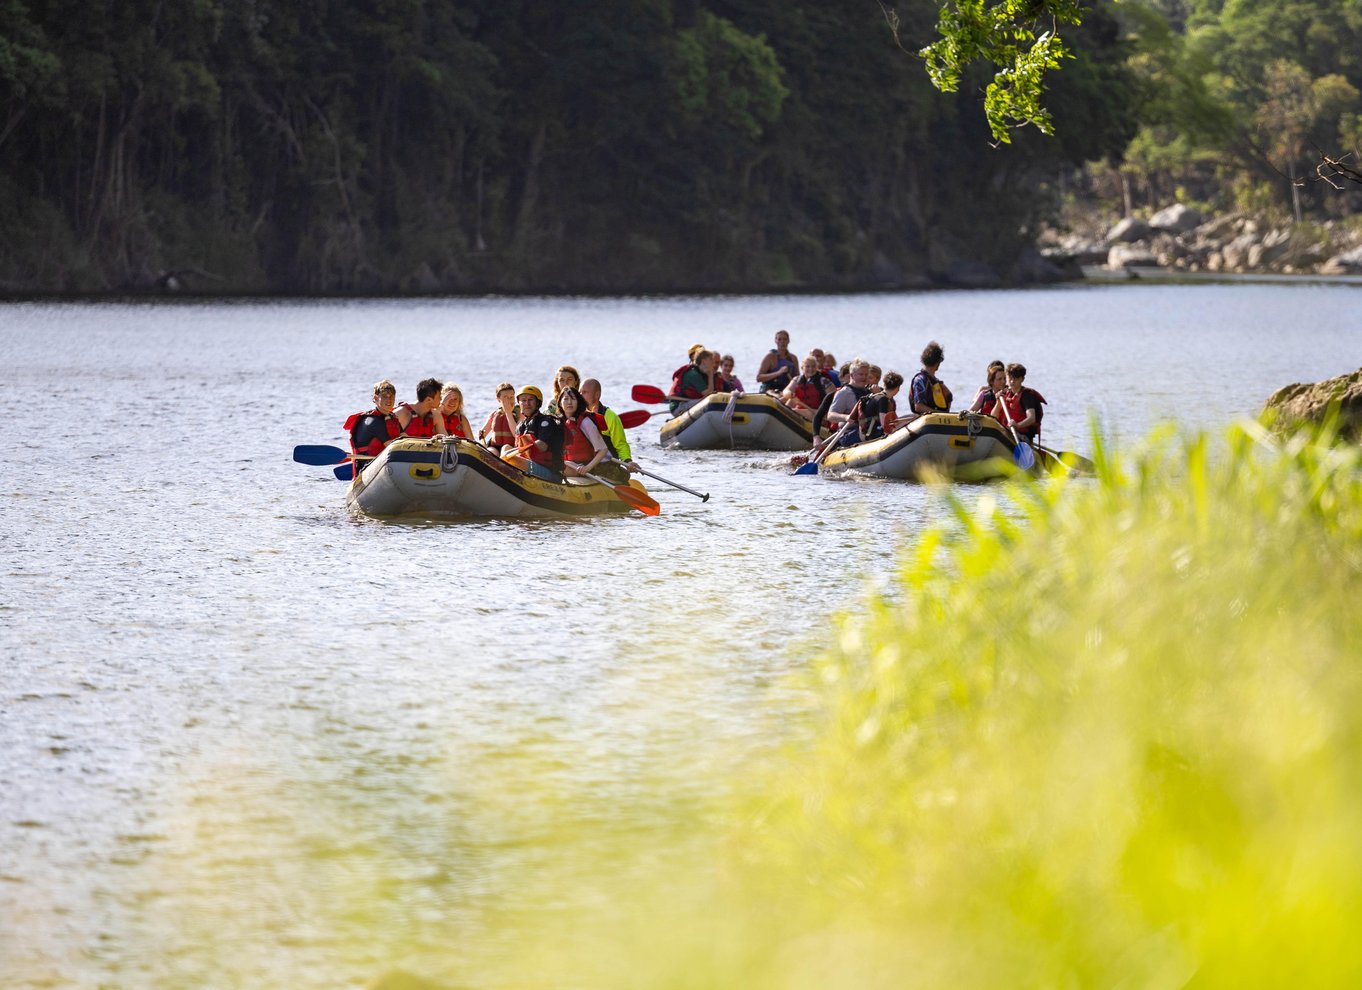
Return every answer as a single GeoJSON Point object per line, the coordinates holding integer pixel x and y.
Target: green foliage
{"type": "Point", "coordinates": [726, 80]}
{"type": "Point", "coordinates": [1005, 34]}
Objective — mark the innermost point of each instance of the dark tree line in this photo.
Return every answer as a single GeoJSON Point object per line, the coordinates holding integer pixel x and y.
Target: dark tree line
{"type": "Point", "coordinates": [389, 145]}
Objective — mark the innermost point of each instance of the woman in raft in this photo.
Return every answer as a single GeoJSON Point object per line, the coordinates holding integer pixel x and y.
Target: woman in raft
{"type": "Point", "coordinates": [585, 446]}
{"type": "Point", "coordinates": [986, 399]}
{"type": "Point", "coordinates": [451, 408]}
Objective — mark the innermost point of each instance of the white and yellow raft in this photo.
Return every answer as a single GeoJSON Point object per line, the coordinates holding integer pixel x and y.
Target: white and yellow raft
{"type": "Point", "coordinates": [450, 478]}
{"type": "Point", "coordinates": [963, 446]}
{"type": "Point", "coordinates": [750, 421]}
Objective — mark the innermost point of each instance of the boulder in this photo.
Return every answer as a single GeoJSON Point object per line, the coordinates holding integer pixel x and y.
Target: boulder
{"type": "Point", "coordinates": [1129, 256]}
{"type": "Point", "coordinates": [1220, 227]}
{"type": "Point", "coordinates": [1296, 404]}
{"type": "Point", "coordinates": [1129, 230]}
{"type": "Point", "coordinates": [1347, 263]}
{"type": "Point", "coordinates": [1032, 267]}
{"type": "Point", "coordinates": [1176, 219]}
{"type": "Point", "coordinates": [1235, 253]}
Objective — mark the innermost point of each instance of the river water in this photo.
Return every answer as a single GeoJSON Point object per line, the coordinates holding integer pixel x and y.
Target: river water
{"type": "Point", "coordinates": [209, 665]}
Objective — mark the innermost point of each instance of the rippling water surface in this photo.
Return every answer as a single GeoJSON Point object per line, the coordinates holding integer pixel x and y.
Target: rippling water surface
{"type": "Point", "coordinates": [207, 662]}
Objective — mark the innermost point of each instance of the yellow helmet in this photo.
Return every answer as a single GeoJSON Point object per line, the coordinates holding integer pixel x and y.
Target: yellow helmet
{"type": "Point", "coordinates": [531, 390]}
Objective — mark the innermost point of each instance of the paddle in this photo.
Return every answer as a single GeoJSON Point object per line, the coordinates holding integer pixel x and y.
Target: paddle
{"type": "Point", "coordinates": [811, 466]}
{"type": "Point", "coordinates": [1022, 454]}
{"type": "Point", "coordinates": [637, 417]}
{"type": "Point", "coordinates": [319, 455]}
{"type": "Point", "coordinates": [1076, 463]}
{"type": "Point", "coordinates": [658, 477]}
{"type": "Point", "coordinates": [650, 395]}
{"type": "Point", "coordinates": [633, 496]}
{"type": "Point", "coordinates": [346, 472]}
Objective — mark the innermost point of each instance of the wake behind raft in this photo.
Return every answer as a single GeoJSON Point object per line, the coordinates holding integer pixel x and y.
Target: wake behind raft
{"type": "Point", "coordinates": [446, 477]}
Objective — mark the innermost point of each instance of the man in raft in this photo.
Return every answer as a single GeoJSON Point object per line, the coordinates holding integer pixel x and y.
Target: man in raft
{"type": "Point", "coordinates": [539, 437]}
{"type": "Point", "coordinates": [929, 394]}
{"type": "Point", "coordinates": [840, 406]}
{"type": "Point", "coordinates": [779, 366]}
{"type": "Point", "coordinates": [614, 429]}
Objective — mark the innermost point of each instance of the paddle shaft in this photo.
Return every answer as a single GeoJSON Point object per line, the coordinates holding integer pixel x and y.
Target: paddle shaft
{"type": "Point", "coordinates": [658, 477]}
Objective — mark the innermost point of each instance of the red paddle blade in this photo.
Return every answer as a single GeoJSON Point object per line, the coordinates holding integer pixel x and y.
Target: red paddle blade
{"type": "Point", "coordinates": [634, 417]}
{"type": "Point", "coordinates": [638, 500]}
{"type": "Point", "coordinates": [649, 394]}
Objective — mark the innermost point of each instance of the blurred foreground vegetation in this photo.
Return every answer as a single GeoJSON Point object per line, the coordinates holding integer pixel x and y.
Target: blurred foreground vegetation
{"type": "Point", "coordinates": [1095, 733]}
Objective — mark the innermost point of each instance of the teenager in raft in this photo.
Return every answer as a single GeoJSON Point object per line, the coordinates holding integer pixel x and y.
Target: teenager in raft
{"type": "Point", "coordinates": [986, 399]}
{"type": "Point", "coordinates": [1024, 404]}
{"type": "Point", "coordinates": [371, 431]}
{"type": "Point", "coordinates": [585, 447]}
{"type": "Point", "coordinates": [565, 376]}
{"type": "Point", "coordinates": [499, 431]}
{"type": "Point", "coordinates": [451, 412]}
{"type": "Point", "coordinates": [696, 382]}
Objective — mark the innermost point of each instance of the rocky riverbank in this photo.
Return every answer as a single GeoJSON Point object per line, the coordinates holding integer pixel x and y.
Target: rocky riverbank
{"type": "Point", "coordinates": [1179, 238]}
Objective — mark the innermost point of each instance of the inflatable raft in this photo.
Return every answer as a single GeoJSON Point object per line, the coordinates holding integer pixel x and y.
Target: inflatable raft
{"type": "Point", "coordinates": [752, 421]}
{"type": "Point", "coordinates": [964, 446]}
{"type": "Point", "coordinates": [449, 478]}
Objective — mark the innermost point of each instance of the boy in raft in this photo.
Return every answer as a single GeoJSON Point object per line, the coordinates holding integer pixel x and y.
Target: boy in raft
{"type": "Point", "coordinates": [423, 419]}
{"type": "Point", "coordinates": [371, 431]}
{"type": "Point", "coordinates": [498, 432]}
{"type": "Point", "coordinates": [1023, 404]}
{"type": "Point", "coordinates": [539, 438]}
{"type": "Point", "coordinates": [928, 393]}
{"type": "Point", "coordinates": [878, 412]}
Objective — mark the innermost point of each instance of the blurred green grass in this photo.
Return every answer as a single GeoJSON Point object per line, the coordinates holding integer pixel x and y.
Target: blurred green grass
{"type": "Point", "coordinates": [1097, 732]}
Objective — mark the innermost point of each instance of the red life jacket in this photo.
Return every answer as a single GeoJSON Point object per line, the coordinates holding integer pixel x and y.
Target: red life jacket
{"type": "Point", "coordinates": [454, 424]}
{"type": "Point", "coordinates": [807, 391]}
{"type": "Point", "coordinates": [1015, 410]}
{"type": "Point", "coordinates": [419, 426]}
{"type": "Point", "coordinates": [576, 445]}
{"type": "Point", "coordinates": [677, 375]}
{"type": "Point", "coordinates": [542, 427]}
{"type": "Point", "coordinates": [499, 432]}
{"type": "Point", "coordinates": [373, 446]}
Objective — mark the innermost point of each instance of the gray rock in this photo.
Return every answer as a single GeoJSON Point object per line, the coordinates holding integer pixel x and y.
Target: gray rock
{"type": "Point", "coordinates": [1032, 267]}
{"type": "Point", "coordinates": [1220, 227]}
{"type": "Point", "coordinates": [1298, 403]}
{"type": "Point", "coordinates": [1176, 219]}
{"type": "Point", "coordinates": [1129, 256]}
{"type": "Point", "coordinates": [1235, 253]}
{"type": "Point", "coordinates": [1129, 230]}
{"type": "Point", "coordinates": [1347, 263]}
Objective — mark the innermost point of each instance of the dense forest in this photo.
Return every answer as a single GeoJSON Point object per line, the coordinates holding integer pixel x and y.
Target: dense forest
{"type": "Point", "coordinates": [613, 145]}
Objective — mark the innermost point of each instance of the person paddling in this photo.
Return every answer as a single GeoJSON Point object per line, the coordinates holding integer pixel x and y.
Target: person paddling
{"type": "Point", "coordinates": [877, 413]}
{"type": "Point", "coordinates": [838, 407]}
{"type": "Point", "coordinates": [584, 445]}
{"type": "Point", "coordinates": [1024, 405]}
{"type": "Point", "coordinates": [928, 393]}
{"type": "Point", "coordinates": [371, 431]}
{"type": "Point", "coordinates": [778, 366]}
